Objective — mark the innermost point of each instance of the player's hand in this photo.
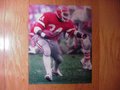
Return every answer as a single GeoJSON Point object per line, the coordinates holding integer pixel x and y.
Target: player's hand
{"type": "Point", "coordinates": [79, 35]}
{"type": "Point", "coordinates": [42, 34]}
{"type": "Point", "coordinates": [84, 36]}
{"type": "Point", "coordinates": [47, 34]}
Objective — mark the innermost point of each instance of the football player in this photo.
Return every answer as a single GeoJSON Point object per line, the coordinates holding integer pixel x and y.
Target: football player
{"type": "Point", "coordinates": [82, 19]}
{"type": "Point", "coordinates": [48, 29]}
{"type": "Point", "coordinates": [86, 47]}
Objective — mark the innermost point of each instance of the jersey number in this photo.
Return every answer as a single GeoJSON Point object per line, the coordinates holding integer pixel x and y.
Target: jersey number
{"type": "Point", "coordinates": [57, 31]}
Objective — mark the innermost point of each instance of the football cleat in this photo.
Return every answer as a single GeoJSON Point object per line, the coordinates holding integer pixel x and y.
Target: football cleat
{"type": "Point", "coordinates": [82, 61]}
{"type": "Point", "coordinates": [57, 73]}
{"type": "Point", "coordinates": [89, 65]}
{"type": "Point", "coordinates": [86, 65]}
{"type": "Point", "coordinates": [32, 50]}
{"type": "Point", "coordinates": [48, 77]}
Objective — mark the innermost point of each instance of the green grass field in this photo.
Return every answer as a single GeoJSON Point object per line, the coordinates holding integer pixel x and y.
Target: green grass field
{"type": "Point", "coordinates": [71, 69]}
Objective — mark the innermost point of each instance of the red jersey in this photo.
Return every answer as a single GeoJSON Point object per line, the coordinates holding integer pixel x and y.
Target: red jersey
{"type": "Point", "coordinates": [50, 22]}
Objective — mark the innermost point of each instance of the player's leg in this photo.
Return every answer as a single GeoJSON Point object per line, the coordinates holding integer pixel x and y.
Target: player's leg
{"type": "Point", "coordinates": [46, 58]}
{"type": "Point", "coordinates": [57, 57]}
{"type": "Point", "coordinates": [86, 45]}
{"type": "Point", "coordinates": [86, 60]}
{"type": "Point", "coordinates": [57, 61]}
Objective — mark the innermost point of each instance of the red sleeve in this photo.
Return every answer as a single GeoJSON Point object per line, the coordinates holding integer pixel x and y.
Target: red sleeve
{"type": "Point", "coordinates": [71, 29]}
{"type": "Point", "coordinates": [41, 22]}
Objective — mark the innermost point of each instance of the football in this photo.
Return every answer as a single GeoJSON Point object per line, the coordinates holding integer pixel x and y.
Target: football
{"type": "Point", "coordinates": [49, 33]}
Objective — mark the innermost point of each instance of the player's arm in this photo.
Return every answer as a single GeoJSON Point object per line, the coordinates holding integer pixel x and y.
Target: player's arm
{"type": "Point", "coordinates": [74, 33]}
{"type": "Point", "coordinates": [39, 26]}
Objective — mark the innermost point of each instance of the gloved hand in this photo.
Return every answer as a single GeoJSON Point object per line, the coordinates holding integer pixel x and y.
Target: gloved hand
{"type": "Point", "coordinates": [42, 34]}
{"type": "Point", "coordinates": [79, 35]}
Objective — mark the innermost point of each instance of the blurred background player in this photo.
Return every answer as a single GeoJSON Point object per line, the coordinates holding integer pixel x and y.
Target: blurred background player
{"type": "Point", "coordinates": [86, 48]}
{"type": "Point", "coordinates": [48, 29]}
{"type": "Point", "coordinates": [82, 19]}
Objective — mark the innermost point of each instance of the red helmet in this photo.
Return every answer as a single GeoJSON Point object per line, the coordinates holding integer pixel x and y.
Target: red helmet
{"type": "Point", "coordinates": [63, 13]}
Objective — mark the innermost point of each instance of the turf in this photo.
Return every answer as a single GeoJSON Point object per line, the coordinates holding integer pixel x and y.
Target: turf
{"type": "Point", "coordinates": [71, 69]}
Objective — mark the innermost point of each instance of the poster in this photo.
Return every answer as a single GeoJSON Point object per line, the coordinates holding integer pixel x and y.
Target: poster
{"type": "Point", "coordinates": [60, 44]}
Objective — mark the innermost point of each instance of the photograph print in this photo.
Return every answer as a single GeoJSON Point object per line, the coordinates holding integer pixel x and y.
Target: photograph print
{"type": "Point", "coordinates": [60, 44]}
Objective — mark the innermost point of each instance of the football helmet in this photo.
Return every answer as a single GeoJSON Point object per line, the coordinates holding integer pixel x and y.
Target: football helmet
{"type": "Point", "coordinates": [63, 13]}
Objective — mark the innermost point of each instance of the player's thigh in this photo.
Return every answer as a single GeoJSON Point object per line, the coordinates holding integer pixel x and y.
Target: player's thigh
{"type": "Point", "coordinates": [45, 46]}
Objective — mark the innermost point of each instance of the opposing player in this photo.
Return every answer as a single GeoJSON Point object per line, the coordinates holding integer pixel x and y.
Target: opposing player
{"type": "Point", "coordinates": [82, 19]}
{"type": "Point", "coordinates": [86, 47]}
{"type": "Point", "coordinates": [48, 29]}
